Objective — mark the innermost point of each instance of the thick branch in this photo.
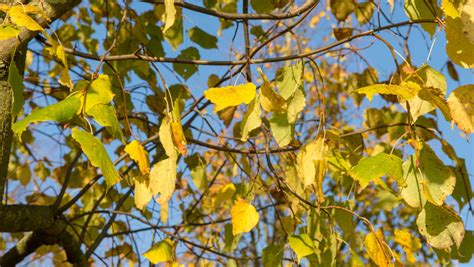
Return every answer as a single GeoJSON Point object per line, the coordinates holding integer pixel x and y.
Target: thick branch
{"type": "Point", "coordinates": [233, 16]}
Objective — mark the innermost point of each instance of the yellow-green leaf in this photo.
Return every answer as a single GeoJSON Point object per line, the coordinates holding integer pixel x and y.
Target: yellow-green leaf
{"type": "Point", "coordinates": [377, 249]}
{"type": "Point", "coordinates": [99, 92]}
{"type": "Point", "coordinates": [406, 90]}
{"type": "Point", "coordinates": [441, 226]}
{"type": "Point", "coordinates": [162, 251]}
{"type": "Point", "coordinates": [251, 120]}
{"type": "Point", "coordinates": [302, 245]}
{"type": "Point", "coordinates": [166, 137]}
{"type": "Point", "coordinates": [7, 32]}
{"type": "Point", "coordinates": [310, 154]}
{"type": "Point", "coordinates": [460, 33]}
{"type": "Point", "coordinates": [163, 179]}
{"type": "Point", "coordinates": [170, 14]}
{"type": "Point", "coordinates": [282, 130]}
{"type": "Point", "coordinates": [230, 96]}
{"type": "Point", "coordinates": [19, 17]}
{"type": "Point", "coordinates": [97, 155]}
{"type": "Point", "coordinates": [244, 217]}
{"type": "Point", "coordinates": [423, 9]}
{"type": "Point", "coordinates": [138, 154]}
{"type": "Point", "coordinates": [372, 168]}
{"type": "Point", "coordinates": [409, 243]}
{"type": "Point", "coordinates": [104, 114]}
{"type": "Point", "coordinates": [143, 193]}
{"type": "Point", "coordinates": [461, 104]}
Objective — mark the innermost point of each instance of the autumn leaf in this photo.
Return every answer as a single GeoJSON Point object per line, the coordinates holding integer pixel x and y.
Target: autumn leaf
{"type": "Point", "coordinates": [143, 193]}
{"type": "Point", "coordinates": [19, 17]}
{"type": "Point", "coordinates": [406, 90]}
{"type": "Point", "coordinates": [244, 217]}
{"type": "Point", "coordinates": [409, 243]}
{"type": "Point", "coordinates": [230, 96]}
{"type": "Point", "coordinates": [377, 249]}
{"type": "Point", "coordinates": [163, 179]}
{"type": "Point", "coordinates": [138, 153]}
{"type": "Point", "coordinates": [162, 251]}
{"type": "Point", "coordinates": [461, 104]}
{"type": "Point", "coordinates": [178, 137]}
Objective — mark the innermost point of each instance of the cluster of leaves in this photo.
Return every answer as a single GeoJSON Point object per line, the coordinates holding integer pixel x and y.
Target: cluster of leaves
{"type": "Point", "coordinates": [282, 173]}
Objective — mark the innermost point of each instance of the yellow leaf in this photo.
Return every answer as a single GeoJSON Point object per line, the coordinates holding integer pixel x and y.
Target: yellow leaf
{"type": "Point", "coordinates": [65, 79]}
{"type": "Point", "coordinates": [166, 137]}
{"type": "Point", "coordinates": [230, 96]}
{"type": "Point", "coordinates": [409, 243]}
{"type": "Point", "coordinates": [244, 217]}
{"type": "Point", "coordinates": [19, 17]}
{"type": "Point", "coordinates": [406, 90]}
{"type": "Point", "coordinates": [270, 100]}
{"type": "Point", "coordinates": [163, 179]}
{"type": "Point", "coordinates": [7, 32]}
{"type": "Point", "coordinates": [179, 140]}
{"type": "Point", "coordinates": [311, 163]}
{"type": "Point", "coordinates": [377, 249]}
{"type": "Point", "coordinates": [162, 251]}
{"type": "Point", "coordinates": [164, 213]}
{"type": "Point", "coordinates": [170, 14]}
{"type": "Point", "coordinates": [142, 192]}
{"type": "Point", "coordinates": [138, 153]}
{"type": "Point", "coordinates": [460, 34]}
{"type": "Point", "coordinates": [461, 104]}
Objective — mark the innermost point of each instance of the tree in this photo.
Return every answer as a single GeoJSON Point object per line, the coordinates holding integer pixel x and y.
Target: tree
{"type": "Point", "coordinates": [291, 132]}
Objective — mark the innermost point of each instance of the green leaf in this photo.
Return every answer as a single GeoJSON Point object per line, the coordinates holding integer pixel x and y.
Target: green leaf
{"type": "Point", "coordinates": [282, 130]}
{"type": "Point", "coordinates": [288, 79]}
{"type": "Point", "coordinates": [302, 245]}
{"type": "Point", "coordinates": [59, 112]}
{"type": "Point", "coordinates": [202, 38]}
{"type": "Point", "coordinates": [438, 181]}
{"type": "Point", "coordinates": [187, 70]}
{"type": "Point", "coordinates": [423, 9]}
{"type": "Point", "coordinates": [272, 255]}
{"type": "Point", "coordinates": [174, 35]}
{"type": "Point", "coordinates": [296, 104]}
{"type": "Point", "coordinates": [97, 155]}
{"type": "Point", "coordinates": [15, 79]}
{"type": "Point", "coordinates": [162, 251]}
{"type": "Point", "coordinates": [372, 168]}
{"type": "Point", "coordinates": [251, 120]}
{"type": "Point", "coordinates": [460, 102]}
{"type": "Point", "coordinates": [441, 226]}
{"type": "Point", "coordinates": [105, 115]}
{"type": "Point", "coordinates": [406, 90]}
{"type": "Point", "coordinates": [262, 6]}
{"type": "Point", "coordinates": [413, 192]}
{"type": "Point", "coordinates": [230, 240]}
{"type": "Point", "coordinates": [99, 92]}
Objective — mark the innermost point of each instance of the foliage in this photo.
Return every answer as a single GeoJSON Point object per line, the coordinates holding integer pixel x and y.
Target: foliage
{"type": "Point", "coordinates": [244, 132]}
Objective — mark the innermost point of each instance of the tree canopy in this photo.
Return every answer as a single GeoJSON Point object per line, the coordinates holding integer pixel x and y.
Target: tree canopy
{"type": "Point", "coordinates": [236, 132]}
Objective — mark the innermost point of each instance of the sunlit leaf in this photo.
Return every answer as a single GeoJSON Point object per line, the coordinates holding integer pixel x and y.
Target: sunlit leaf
{"type": "Point", "coordinates": [282, 130]}
{"type": "Point", "coordinates": [7, 32]}
{"type": "Point", "coordinates": [270, 100]}
{"type": "Point", "coordinates": [162, 251]}
{"type": "Point", "coordinates": [138, 153]}
{"type": "Point", "coordinates": [459, 33]}
{"type": "Point", "coordinates": [59, 112]}
{"type": "Point", "coordinates": [104, 114]}
{"type": "Point", "coordinates": [312, 164]}
{"type": "Point", "coordinates": [166, 137]}
{"type": "Point", "coordinates": [461, 104]}
{"type": "Point", "coordinates": [244, 217]}
{"type": "Point", "coordinates": [163, 179]}
{"type": "Point", "coordinates": [423, 9]}
{"type": "Point", "coordinates": [372, 168]}
{"type": "Point", "coordinates": [170, 14]}
{"type": "Point", "coordinates": [406, 90]}
{"type": "Point", "coordinates": [302, 245]}
{"type": "Point", "coordinates": [441, 226]}
{"type": "Point", "coordinates": [97, 155]}
{"type": "Point", "coordinates": [377, 249]}
{"type": "Point", "coordinates": [143, 193]}
{"type": "Point", "coordinates": [178, 137]}
{"type": "Point", "coordinates": [19, 17]}
{"type": "Point", "coordinates": [251, 120]}
{"type": "Point", "coordinates": [231, 95]}
{"type": "Point", "coordinates": [288, 79]}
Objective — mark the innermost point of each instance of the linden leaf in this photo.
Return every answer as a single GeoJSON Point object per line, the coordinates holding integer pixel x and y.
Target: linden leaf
{"type": "Point", "coordinates": [7, 32]}
{"type": "Point", "coordinates": [97, 155]}
{"type": "Point", "coordinates": [461, 104]}
{"type": "Point", "coordinates": [441, 226]}
{"type": "Point", "coordinates": [178, 137]}
{"type": "Point", "coordinates": [19, 17]}
{"type": "Point", "coordinates": [312, 165]}
{"type": "Point", "coordinates": [302, 245]}
{"type": "Point", "coordinates": [371, 168]}
{"type": "Point", "coordinates": [244, 217]}
{"type": "Point", "coordinates": [105, 115]}
{"type": "Point", "coordinates": [377, 249]}
{"type": "Point", "coordinates": [59, 112]}
{"type": "Point", "coordinates": [143, 193]}
{"type": "Point", "coordinates": [408, 242]}
{"type": "Point", "coordinates": [166, 137]}
{"type": "Point", "coordinates": [230, 96]}
{"type": "Point", "coordinates": [251, 120]}
{"type": "Point", "coordinates": [163, 179]}
{"type": "Point", "coordinates": [162, 251]}
{"type": "Point", "coordinates": [99, 92]}
{"type": "Point", "coordinates": [138, 154]}
{"type": "Point", "coordinates": [406, 90]}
